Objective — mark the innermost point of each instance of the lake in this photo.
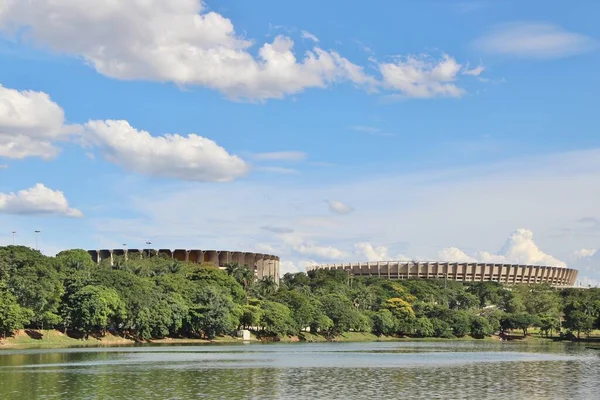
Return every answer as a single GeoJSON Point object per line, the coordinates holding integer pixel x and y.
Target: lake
{"type": "Point", "coordinates": [384, 370]}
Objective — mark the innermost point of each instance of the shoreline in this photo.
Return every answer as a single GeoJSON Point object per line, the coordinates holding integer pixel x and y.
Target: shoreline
{"type": "Point", "coordinates": [54, 339]}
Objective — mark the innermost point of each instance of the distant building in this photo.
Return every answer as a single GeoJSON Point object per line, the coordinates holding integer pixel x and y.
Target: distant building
{"type": "Point", "coordinates": [263, 264]}
{"type": "Point", "coordinates": [510, 274]}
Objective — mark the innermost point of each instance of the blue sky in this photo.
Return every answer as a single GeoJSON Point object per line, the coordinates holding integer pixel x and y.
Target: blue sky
{"type": "Point", "coordinates": [432, 129]}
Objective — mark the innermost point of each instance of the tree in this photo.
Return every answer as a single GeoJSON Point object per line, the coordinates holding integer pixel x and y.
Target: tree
{"type": "Point", "coordinates": [579, 321]}
{"type": "Point", "coordinates": [74, 260]}
{"type": "Point", "coordinates": [12, 315]}
{"type": "Point", "coordinates": [94, 309]}
{"type": "Point", "coordinates": [212, 312]}
{"type": "Point", "coordinates": [549, 323]}
{"type": "Point", "coordinates": [302, 307]}
{"type": "Point", "coordinates": [276, 319]}
{"type": "Point", "coordinates": [251, 316]}
{"type": "Point", "coordinates": [400, 308]}
{"type": "Point", "coordinates": [266, 287]}
{"type": "Point", "coordinates": [341, 311]}
{"type": "Point", "coordinates": [518, 321]}
{"type": "Point", "coordinates": [460, 323]}
{"type": "Point", "coordinates": [243, 274]}
{"type": "Point", "coordinates": [423, 327]}
{"type": "Point", "coordinates": [441, 328]}
{"type": "Point", "coordinates": [384, 322]}
{"type": "Point", "coordinates": [480, 327]}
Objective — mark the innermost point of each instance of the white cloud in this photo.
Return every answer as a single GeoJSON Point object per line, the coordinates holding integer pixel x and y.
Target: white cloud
{"type": "Point", "coordinates": [422, 77]}
{"type": "Point", "coordinates": [478, 205]}
{"type": "Point", "coordinates": [29, 124]}
{"type": "Point", "coordinates": [366, 249]}
{"type": "Point", "coordinates": [584, 253]}
{"type": "Point", "coordinates": [534, 40]}
{"type": "Point", "coordinates": [588, 263]}
{"type": "Point", "coordinates": [518, 249]}
{"type": "Point", "coordinates": [265, 248]}
{"type": "Point", "coordinates": [37, 200]}
{"type": "Point", "coordinates": [309, 36]}
{"type": "Point", "coordinates": [321, 252]}
{"type": "Point", "coordinates": [294, 267]}
{"type": "Point", "coordinates": [191, 157]}
{"type": "Point", "coordinates": [281, 156]}
{"type": "Point", "coordinates": [178, 41]}
{"type": "Point", "coordinates": [338, 207]}
{"type": "Point", "coordinates": [454, 254]}
{"type": "Point", "coordinates": [474, 71]}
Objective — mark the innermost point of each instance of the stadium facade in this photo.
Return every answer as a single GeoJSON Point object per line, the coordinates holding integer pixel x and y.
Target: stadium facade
{"type": "Point", "coordinates": [509, 274]}
{"type": "Point", "coordinates": [263, 264]}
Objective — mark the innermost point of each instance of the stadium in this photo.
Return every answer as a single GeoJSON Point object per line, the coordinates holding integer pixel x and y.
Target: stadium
{"type": "Point", "coordinates": [508, 274]}
{"type": "Point", "coordinates": [264, 265]}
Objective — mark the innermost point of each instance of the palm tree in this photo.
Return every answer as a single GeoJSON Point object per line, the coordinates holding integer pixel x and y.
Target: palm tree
{"type": "Point", "coordinates": [266, 287]}
{"type": "Point", "coordinates": [241, 273]}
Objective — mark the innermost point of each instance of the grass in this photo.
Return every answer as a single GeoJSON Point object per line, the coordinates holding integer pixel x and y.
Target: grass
{"type": "Point", "coordinates": [57, 339]}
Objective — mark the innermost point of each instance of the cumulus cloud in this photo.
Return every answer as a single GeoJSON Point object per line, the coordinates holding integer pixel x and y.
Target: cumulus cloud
{"type": "Point", "coordinates": [454, 254]}
{"type": "Point", "coordinates": [587, 261]}
{"type": "Point", "coordinates": [519, 248]}
{"type": "Point", "coordinates": [178, 41]}
{"type": "Point", "coordinates": [181, 41]}
{"type": "Point", "coordinates": [371, 253]}
{"type": "Point", "coordinates": [339, 207]}
{"type": "Point", "coordinates": [422, 76]}
{"type": "Point", "coordinates": [534, 40]}
{"type": "Point", "coordinates": [37, 200]}
{"type": "Point", "coordinates": [321, 252]}
{"type": "Point", "coordinates": [29, 124]}
{"type": "Point", "coordinates": [191, 157]}
{"type": "Point", "coordinates": [281, 156]}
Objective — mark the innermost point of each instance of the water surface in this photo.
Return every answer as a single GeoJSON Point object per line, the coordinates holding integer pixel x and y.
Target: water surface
{"type": "Point", "coordinates": [391, 370]}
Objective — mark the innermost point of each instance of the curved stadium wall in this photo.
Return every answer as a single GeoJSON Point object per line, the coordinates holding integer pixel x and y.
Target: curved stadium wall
{"type": "Point", "coordinates": [263, 264]}
{"type": "Point", "coordinates": [509, 274]}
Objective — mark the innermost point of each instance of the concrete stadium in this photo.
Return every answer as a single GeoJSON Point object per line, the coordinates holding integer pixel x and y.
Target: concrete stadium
{"type": "Point", "coordinates": [263, 264]}
{"type": "Point", "coordinates": [508, 274]}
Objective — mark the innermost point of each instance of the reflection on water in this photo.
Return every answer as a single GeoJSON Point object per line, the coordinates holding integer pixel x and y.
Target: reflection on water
{"type": "Point", "coordinates": [448, 370]}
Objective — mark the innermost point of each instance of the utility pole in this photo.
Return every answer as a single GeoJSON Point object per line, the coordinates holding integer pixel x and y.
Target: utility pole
{"type": "Point", "coordinates": [14, 233]}
{"type": "Point", "coordinates": [37, 234]}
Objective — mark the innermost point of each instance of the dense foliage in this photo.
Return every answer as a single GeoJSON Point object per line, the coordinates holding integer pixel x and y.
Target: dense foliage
{"type": "Point", "coordinates": [157, 297]}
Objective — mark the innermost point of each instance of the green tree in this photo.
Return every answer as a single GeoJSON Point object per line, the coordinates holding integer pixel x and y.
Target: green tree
{"type": "Point", "coordinates": [251, 316]}
{"type": "Point", "coordinates": [522, 321]}
{"type": "Point", "coordinates": [480, 327]}
{"type": "Point", "coordinates": [341, 311]}
{"type": "Point", "coordinates": [12, 315]}
{"type": "Point", "coordinates": [423, 327]}
{"type": "Point", "coordinates": [95, 309]}
{"type": "Point", "coordinates": [441, 328]}
{"type": "Point", "coordinates": [384, 322]}
{"type": "Point", "coordinates": [303, 308]}
{"type": "Point", "coordinates": [212, 312]}
{"type": "Point", "coordinates": [579, 321]}
{"type": "Point", "coordinates": [276, 319]}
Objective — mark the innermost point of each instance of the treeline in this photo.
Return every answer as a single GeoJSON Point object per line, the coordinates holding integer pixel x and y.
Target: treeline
{"type": "Point", "coordinates": [154, 298]}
